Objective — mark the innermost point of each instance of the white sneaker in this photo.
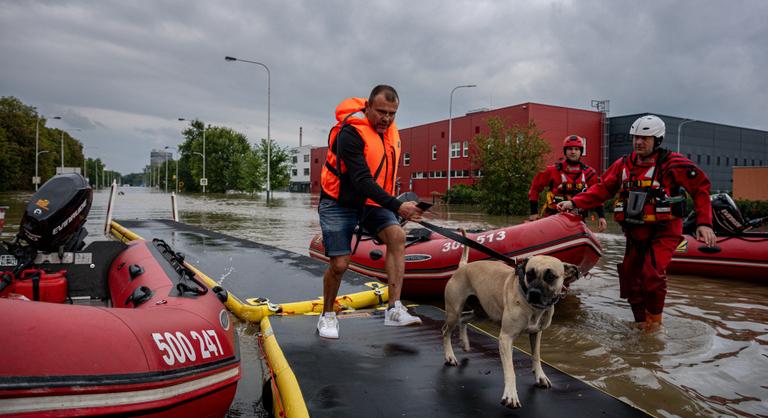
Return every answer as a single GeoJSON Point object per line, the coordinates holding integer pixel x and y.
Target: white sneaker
{"type": "Point", "coordinates": [328, 326]}
{"type": "Point", "coordinates": [398, 316]}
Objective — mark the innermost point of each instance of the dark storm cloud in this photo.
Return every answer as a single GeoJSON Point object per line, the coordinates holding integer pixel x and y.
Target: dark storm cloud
{"type": "Point", "coordinates": [125, 71]}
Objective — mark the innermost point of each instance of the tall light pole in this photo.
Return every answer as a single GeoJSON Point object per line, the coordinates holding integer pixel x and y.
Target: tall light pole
{"type": "Point", "coordinates": [679, 129]}
{"type": "Point", "coordinates": [177, 169]}
{"type": "Point", "coordinates": [166, 171]}
{"type": "Point", "coordinates": [450, 123]}
{"type": "Point", "coordinates": [203, 182]}
{"type": "Point", "coordinates": [36, 180]}
{"type": "Point", "coordinates": [269, 138]}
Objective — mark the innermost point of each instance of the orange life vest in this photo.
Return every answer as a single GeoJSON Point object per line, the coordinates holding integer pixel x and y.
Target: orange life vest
{"type": "Point", "coordinates": [381, 153]}
{"type": "Point", "coordinates": [657, 205]}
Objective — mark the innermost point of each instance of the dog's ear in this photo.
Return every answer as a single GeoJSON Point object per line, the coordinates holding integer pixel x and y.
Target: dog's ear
{"type": "Point", "coordinates": [520, 268]}
{"type": "Point", "coordinates": [571, 273]}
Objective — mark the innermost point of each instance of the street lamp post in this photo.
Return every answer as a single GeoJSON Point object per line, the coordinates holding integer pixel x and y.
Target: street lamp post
{"type": "Point", "coordinates": [203, 155]}
{"type": "Point", "coordinates": [166, 171]}
{"type": "Point", "coordinates": [679, 129]}
{"type": "Point", "coordinates": [450, 123]}
{"type": "Point", "coordinates": [269, 138]}
{"type": "Point", "coordinates": [177, 169]}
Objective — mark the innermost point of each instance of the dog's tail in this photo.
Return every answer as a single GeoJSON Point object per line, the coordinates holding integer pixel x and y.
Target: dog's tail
{"type": "Point", "coordinates": [464, 251]}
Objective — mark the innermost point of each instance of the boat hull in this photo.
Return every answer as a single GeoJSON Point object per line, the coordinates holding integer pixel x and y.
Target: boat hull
{"type": "Point", "coordinates": [429, 264]}
{"type": "Point", "coordinates": [170, 355]}
{"type": "Point", "coordinates": [742, 258]}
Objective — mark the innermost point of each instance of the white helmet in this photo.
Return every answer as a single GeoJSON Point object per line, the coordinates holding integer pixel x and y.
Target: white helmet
{"type": "Point", "coordinates": [648, 125]}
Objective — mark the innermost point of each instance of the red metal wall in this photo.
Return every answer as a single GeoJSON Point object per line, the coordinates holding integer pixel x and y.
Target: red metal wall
{"type": "Point", "coordinates": [315, 166]}
{"type": "Point", "coordinates": [554, 121]}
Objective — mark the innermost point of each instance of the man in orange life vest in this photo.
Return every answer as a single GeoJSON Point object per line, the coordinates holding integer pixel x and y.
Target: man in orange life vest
{"type": "Point", "coordinates": [650, 206]}
{"type": "Point", "coordinates": [564, 179]}
{"type": "Point", "coordinates": [358, 182]}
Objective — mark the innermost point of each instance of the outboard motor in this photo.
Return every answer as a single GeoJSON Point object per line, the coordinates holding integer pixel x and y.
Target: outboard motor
{"type": "Point", "coordinates": [55, 216]}
{"type": "Point", "coordinates": [726, 217]}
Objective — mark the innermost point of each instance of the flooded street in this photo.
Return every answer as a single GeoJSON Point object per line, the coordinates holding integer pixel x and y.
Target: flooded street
{"type": "Point", "coordinates": [711, 359]}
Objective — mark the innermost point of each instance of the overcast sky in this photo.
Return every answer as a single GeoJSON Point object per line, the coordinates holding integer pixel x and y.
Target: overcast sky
{"type": "Point", "coordinates": [124, 71]}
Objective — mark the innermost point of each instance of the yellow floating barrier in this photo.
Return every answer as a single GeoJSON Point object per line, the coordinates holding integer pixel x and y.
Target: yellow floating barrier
{"type": "Point", "coordinates": [287, 399]}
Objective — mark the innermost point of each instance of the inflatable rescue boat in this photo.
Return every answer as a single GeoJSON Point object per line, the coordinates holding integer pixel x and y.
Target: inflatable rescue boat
{"type": "Point", "coordinates": [738, 254]}
{"type": "Point", "coordinates": [110, 328]}
{"type": "Point", "coordinates": [431, 259]}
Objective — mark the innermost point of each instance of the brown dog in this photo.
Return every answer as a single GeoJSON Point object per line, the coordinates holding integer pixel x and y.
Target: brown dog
{"type": "Point", "coordinates": [522, 299]}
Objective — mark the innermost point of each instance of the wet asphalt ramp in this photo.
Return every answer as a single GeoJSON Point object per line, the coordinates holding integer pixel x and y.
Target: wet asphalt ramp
{"type": "Point", "coordinates": [378, 371]}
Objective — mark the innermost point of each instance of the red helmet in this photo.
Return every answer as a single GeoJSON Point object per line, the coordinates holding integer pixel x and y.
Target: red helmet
{"type": "Point", "coordinates": [573, 141]}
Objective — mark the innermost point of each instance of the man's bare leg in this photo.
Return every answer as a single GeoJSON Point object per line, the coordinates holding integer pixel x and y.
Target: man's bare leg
{"type": "Point", "coordinates": [394, 263]}
{"type": "Point", "coordinates": [332, 280]}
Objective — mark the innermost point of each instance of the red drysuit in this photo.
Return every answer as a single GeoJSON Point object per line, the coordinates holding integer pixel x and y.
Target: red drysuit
{"type": "Point", "coordinates": [650, 244]}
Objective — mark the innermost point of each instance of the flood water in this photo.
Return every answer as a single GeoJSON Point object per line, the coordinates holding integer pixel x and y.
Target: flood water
{"type": "Point", "coordinates": [711, 359]}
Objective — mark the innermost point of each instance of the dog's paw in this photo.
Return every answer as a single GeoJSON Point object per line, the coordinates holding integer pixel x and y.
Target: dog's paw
{"type": "Point", "coordinates": [465, 347]}
{"type": "Point", "coordinates": [543, 381]}
{"type": "Point", "coordinates": [451, 361]}
{"type": "Point", "coordinates": [511, 402]}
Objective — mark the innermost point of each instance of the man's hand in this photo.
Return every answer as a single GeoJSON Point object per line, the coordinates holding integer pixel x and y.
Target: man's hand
{"type": "Point", "coordinates": [565, 206]}
{"type": "Point", "coordinates": [533, 217]}
{"type": "Point", "coordinates": [706, 235]}
{"type": "Point", "coordinates": [410, 211]}
{"type": "Point", "coordinates": [602, 225]}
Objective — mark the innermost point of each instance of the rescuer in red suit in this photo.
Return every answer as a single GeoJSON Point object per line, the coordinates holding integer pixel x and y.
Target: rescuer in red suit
{"type": "Point", "coordinates": [650, 205]}
{"type": "Point", "coordinates": [564, 179]}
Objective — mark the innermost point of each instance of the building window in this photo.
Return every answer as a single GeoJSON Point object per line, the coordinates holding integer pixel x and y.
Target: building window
{"type": "Point", "coordinates": [708, 160]}
{"type": "Point", "coordinates": [753, 163]}
{"type": "Point", "coordinates": [718, 160]}
{"type": "Point", "coordinates": [465, 150]}
{"type": "Point", "coordinates": [317, 160]}
{"type": "Point", "coordinates": [585, 147]}
{"type": "Point", "coordinates": [689, 155]}
{"type": "Point", "coordinates": [306, 158]}
{"type": "Point", "coordinates": [442, 134]}
{"type": "Point", "coordinates": [294, 172]}
{"type": "Point", "coordinates": [295, 159]}
{"type": "Point", "coordinates": [434, 152]}
{"type": "Point", "coordinates": [477, 129]}
{"type": "Point", "coordinates": [406, 159]}
{"type": "Point", "coordinates": [745, 162]}
{"type": "Point", "coordinates": [455, 149]}
{"type": "Point", "coordinates": [306, 171]}
{"type": "Point", "coordinates": [698, 158]}
{"type": "Point", "coordinates": [727, 161]}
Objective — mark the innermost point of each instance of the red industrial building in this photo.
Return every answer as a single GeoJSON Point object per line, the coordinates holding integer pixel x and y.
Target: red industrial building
{"type": "Point", "coordinates": [424, 162]}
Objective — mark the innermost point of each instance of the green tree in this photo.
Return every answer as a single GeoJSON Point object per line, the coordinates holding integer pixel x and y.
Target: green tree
{"type": "Point", "coordinates": [226, 156]}
{"type": "Point", "coordinates": [279, 175]}
{"type": "Point", "coordinates": [509, 156]}
{"type": "Point", "coordinates": [18, 123]}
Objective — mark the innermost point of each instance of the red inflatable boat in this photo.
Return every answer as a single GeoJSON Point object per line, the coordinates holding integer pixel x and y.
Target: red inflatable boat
{"type": "Point", "coordinates": [743, 257]}
{"type": "Point", "coordinates": [108, 329]}
{"type": "Point", "coordinates": [431, 259]}
{"type": "Point", "coordinates": [739, 253]}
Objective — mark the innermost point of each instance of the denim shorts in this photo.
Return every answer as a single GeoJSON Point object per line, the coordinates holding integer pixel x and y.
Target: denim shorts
{"type": "Point", "coordinates": [338, 224]}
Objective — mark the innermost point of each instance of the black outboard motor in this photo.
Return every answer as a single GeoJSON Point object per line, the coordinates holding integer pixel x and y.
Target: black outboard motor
{"type": "Point", "coordinates": [56, 214]}
{"type": "Point", "coordinates": [726, 218]}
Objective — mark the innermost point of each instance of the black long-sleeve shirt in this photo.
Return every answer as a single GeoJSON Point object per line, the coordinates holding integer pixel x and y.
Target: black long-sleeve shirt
{"type": "Point", "coordinates": [352, 154]}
